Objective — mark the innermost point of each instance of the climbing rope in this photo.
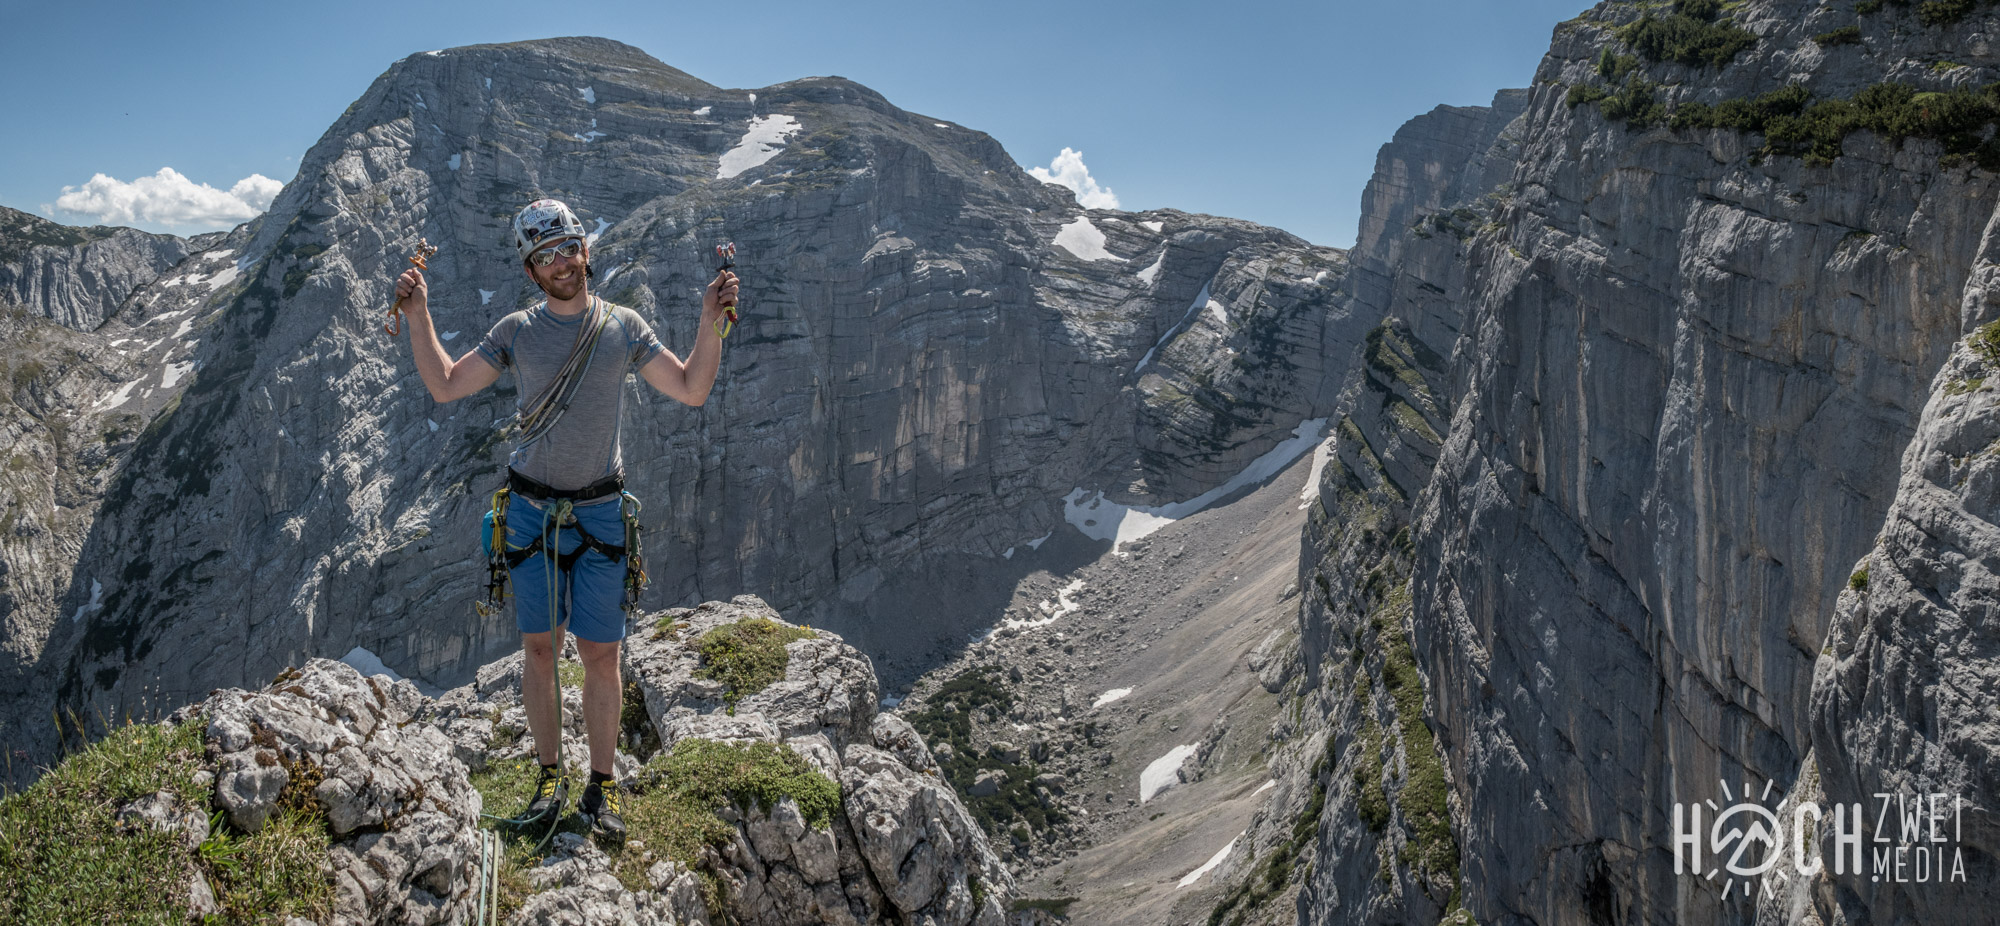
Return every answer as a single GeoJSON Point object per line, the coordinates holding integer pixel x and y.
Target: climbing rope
{"type": "Point", "coordinates": [558, 514]}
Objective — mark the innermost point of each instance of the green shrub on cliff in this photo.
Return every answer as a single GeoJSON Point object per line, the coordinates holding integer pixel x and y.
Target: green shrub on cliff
{"type": "Point", "coordinates": [1689, 35]}
{"type": "Point", "coordinates": [1794, 125]}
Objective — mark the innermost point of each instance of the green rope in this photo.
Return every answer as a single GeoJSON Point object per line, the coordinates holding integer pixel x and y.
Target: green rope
{"type": "Point", "coordinates": [555, 516]}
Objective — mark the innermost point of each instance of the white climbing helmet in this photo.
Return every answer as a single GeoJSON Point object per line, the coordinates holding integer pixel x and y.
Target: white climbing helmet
{"type": "Point", "coordinates": [542, 223]}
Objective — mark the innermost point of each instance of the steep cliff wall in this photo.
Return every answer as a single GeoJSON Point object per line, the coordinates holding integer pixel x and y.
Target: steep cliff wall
{"type": "Point", "coordinates": [1359, 809]}
{"type": "Point", "coordinates": [1693, 359]}
{"type": "Point", "coordinates": [936, 349]}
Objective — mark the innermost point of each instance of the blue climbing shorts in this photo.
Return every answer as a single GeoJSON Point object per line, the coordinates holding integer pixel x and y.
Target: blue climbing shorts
{"type": "Point", "coordinates": [591, 594]}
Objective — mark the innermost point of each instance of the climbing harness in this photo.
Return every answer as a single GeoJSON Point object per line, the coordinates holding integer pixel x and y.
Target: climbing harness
{"type": "Point", "coordinates": [425, 251]}
{"type": "Point", "coordinates": [502, 558]}
{"type": "Point", "coordinates": [727, 323]}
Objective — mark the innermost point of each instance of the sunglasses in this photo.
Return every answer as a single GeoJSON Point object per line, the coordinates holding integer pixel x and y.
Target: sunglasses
{"type": "Point", "coordinates": [547, 256]}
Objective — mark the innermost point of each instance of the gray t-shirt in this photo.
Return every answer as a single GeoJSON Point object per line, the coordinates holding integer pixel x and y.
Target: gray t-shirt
{"type": "Point", "coordinates": [582, 447]}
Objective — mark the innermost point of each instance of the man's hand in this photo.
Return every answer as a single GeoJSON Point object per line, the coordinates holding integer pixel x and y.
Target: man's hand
{"type": "Point", "coordinates": [411, 287]}
{"type": "Point", "coordinates": [721, 292]}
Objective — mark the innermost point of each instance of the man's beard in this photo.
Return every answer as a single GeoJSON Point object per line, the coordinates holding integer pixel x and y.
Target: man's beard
{"type": "Point", "coordinates": [564, 290]}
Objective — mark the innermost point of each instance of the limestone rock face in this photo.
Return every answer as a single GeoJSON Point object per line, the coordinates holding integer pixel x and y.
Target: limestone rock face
{"type": "Point", "coordinates": [1435, 185]}
{"type": "Point", "coordinates": [829, 687]}
{"type": "Point", "coordinates": [1680, 404]}
{"type": "Point", "coordinates": [936, 350]}
{"type": "Point", "coordinates": [78, 277]}
{"type": "Point", "coordinates": [1904, 692]}
{"type": "Point", "coordinates": [398, 805]}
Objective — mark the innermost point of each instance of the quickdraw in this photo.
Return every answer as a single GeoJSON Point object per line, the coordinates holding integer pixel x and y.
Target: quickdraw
{"type": "Point", "coordinates": [727, 323]}
{"type": "Point", "coordinates": [425, 251]}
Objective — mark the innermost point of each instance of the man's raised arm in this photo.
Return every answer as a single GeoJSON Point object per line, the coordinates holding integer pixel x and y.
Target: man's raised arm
{"type": "Point", "coordinates": [447, 380]}
{"type": "Point", "coordinates": [691, 381]}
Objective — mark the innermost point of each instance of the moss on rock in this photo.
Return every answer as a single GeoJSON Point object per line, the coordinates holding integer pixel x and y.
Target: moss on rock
{"type": "Point", "coordinates": [747, 656]}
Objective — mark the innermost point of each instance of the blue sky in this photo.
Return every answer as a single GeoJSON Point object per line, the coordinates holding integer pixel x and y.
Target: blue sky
{"type": "Point", "coordinates": [1270, 112]}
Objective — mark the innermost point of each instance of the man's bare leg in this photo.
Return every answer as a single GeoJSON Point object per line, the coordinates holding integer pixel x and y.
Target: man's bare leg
{"type": "Point", "coordinates": [537, 681]}
{"type": "Point", "coordinates": [603, 698]}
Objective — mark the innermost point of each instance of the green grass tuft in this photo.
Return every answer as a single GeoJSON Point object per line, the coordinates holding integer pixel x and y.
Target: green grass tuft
{"type": "Point", "coordinates": [670, 806]}
{"type": "Point", "coordinates": [746, 656]}
{"type": "Point", "coordinates": [1845, 35]}
{"type": "Point", "coordinates": [1985, 341]}
{"type": "Point", "coordinates": [64, 857]}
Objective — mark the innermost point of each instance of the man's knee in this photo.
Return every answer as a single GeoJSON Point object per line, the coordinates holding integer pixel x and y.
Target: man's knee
{"type": "Point", "coordinates": [537, 647]}
{"type": "Point", "coordinates": [598, 656]}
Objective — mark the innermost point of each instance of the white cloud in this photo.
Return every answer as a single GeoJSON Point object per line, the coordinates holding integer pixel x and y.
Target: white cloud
{"type": "Point", "coordinates": [168, 198]}
{"type": "Point", "coordinates": [1068, 170]}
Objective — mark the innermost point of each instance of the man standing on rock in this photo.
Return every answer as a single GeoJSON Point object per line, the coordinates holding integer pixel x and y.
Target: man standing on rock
{"type": "Point", "coordinates": [570, 355]}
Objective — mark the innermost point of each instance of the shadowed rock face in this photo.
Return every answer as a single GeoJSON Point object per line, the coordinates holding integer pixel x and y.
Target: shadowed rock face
{"type": "Point", "coordinates": [921, 374]}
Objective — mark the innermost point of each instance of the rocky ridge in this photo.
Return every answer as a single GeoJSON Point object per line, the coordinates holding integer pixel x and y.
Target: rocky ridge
{"type": "Point", "coordinates": [391, 775]}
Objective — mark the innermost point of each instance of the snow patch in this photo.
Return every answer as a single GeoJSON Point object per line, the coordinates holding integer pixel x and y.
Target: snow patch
{"type": "Point", "coordinates": [449, 334]}
{"type": "Point", "coordinates": [1109, 696]}
{"type": "Point", "coordinates": [436, 54]}
{"type": "Point", "coordinates": [122, 396]}
{"type": "Point", "coordinates": [1266, 786]}
{"type": "Point", "coordinates": [1155, 226]}
{"type": "Point", "coordinates": [1164, 773]}
{"type": "Point", "coordinates": [1208, 866]}
{"type": "Point", "coordinates": [1321, 455]}
{"type": "Point", "coordinates": [174, 373]}
{"type": "Point", "coordinates": [1101, 519]}
{"type": "Point", "coordinates": [941, 125]}
{"type": "Point", "coordinates": [1009, 554]}
{"type": "Point", "coordinates": [890, 701]}
{"type": "Point", "coordinates": [485, 296]}
{"type": "Point", "coordinates": [1220, 312]}
{"type": "Point", "coordinates": [1153, 273]}
{"type": "Point", "coordinates": [762, 142]}
{"type": "Point", "coordinates": [454, 161]}
{"type": "Point", "coordinates": [705, 110]}
{"type": "Point", "coordinates": [96, 601]}
{"type": "Point", "coordinates": [223, 277]}
{"type": "Point", "coordinates": [420, 102]}
{"type": "Point", "coordinates": [1063, 604]}
{"type": "Point", "coordinates": [433, 424]}
{"type": "Point", "coordinates": [186, 326]}
{"type": "Point", "coordinates": [1084, 240]}
{"type": "Point", "coordinates": [753, 98]}
{"type": "Point", "coordinates": [593, 236]}
{"type": "Point", "coordinates": [1036, 543]}
{"type": "Point", "coordinates": [489, 83]}
{"type": "Point", "coordinates": [589, 95]}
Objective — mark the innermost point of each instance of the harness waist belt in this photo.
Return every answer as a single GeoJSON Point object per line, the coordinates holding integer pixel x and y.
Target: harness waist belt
{"type": "Point", "coordinates": [609, 485]}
